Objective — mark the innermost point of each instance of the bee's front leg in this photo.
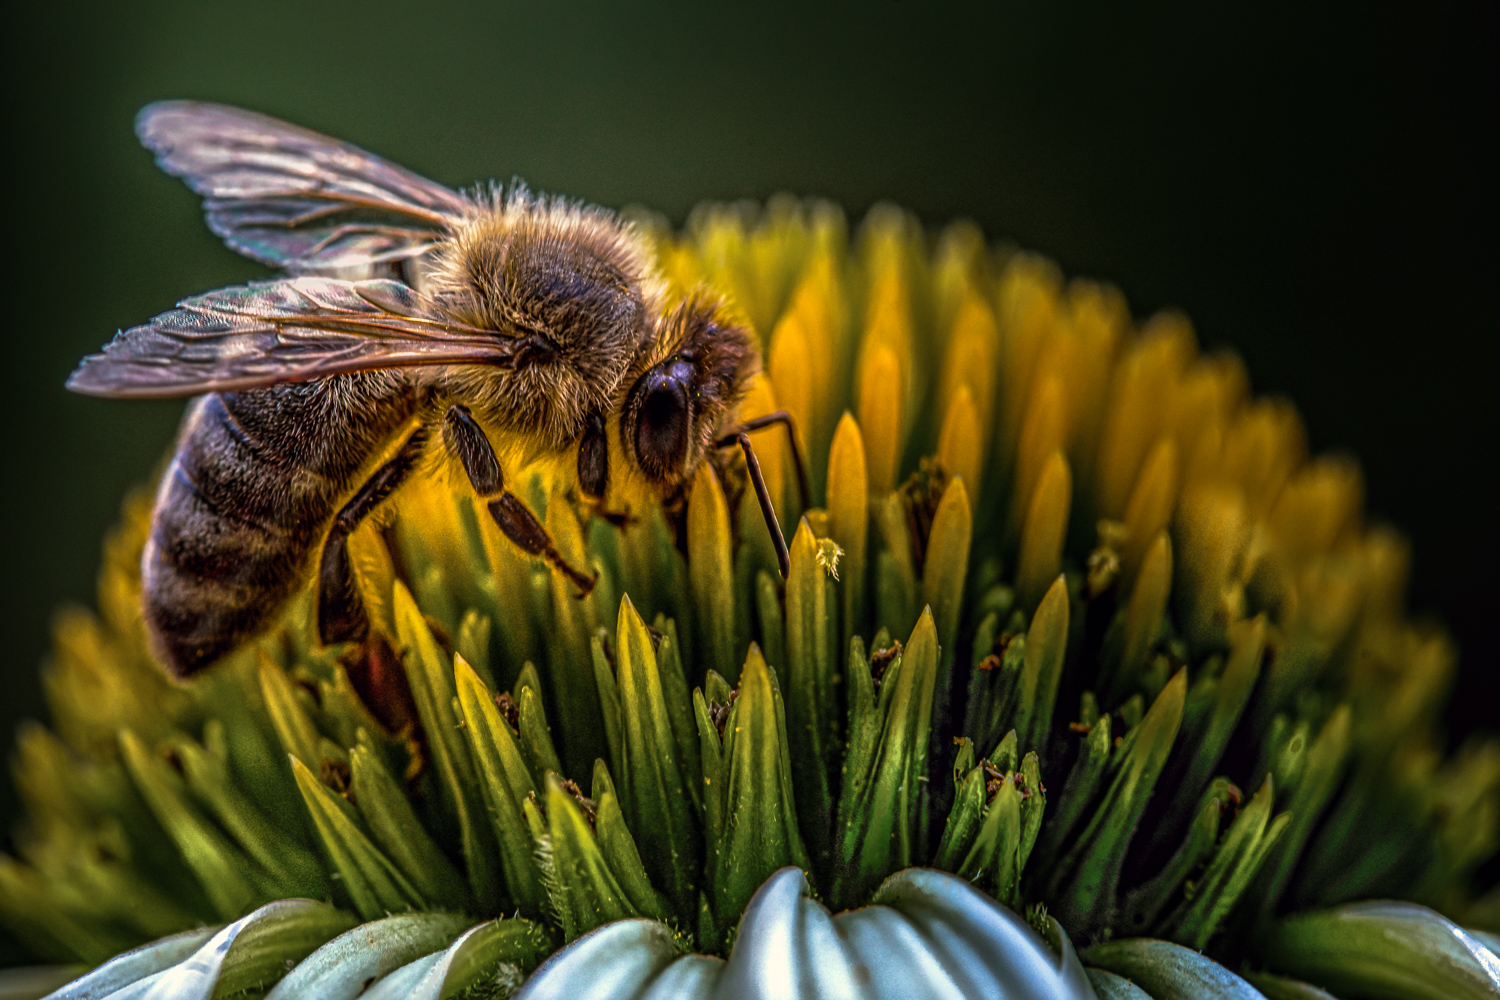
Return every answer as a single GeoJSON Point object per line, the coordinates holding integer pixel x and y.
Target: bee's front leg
{"type": "Point", "coordinates": [517, 522]}
{"type": "Point", "coordinates": [593, 470]}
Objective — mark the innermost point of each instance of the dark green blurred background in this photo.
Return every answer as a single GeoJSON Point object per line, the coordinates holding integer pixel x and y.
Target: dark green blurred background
{"type": "Point", "coordinates": [1309, 184]}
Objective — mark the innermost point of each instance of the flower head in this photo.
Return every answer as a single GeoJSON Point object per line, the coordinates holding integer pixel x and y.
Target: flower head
{"type": "Point", "coordinates": [1075, 619]}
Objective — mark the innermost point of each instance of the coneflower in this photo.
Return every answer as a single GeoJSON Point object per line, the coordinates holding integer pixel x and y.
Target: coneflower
{"type": "Point", "coordinates": [1080, 651]}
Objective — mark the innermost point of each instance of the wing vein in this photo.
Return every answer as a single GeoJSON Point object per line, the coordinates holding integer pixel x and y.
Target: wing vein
{"type": "Point", "coordinates": [293, 330]}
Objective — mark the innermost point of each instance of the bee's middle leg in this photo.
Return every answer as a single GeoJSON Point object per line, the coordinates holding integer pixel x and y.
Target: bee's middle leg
{"type": "Point", "coordinates": [517, 522]}
{"type": "Point", "coordinates": [341, 614]}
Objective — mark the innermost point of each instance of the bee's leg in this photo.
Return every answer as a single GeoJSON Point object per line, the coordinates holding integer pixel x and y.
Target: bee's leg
{"type": "Point", "coordinates": [341, 614]}
{"type": "Point", "coordinates": [770, 419]}
{"type": "Point", "coordinates": [767, 509]}
{"type": "Point", "coordinates": [519, 524]}
{"type": "Point", "coordinates": [593, 470]}
{"type": "Point", "coordinates": [593, 459]}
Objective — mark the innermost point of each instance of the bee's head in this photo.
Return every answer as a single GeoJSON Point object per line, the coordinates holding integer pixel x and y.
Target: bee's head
{"type": "Point", "coordinates": [695, 374]}
{"type": "Point", "coordinates": [572, 287]}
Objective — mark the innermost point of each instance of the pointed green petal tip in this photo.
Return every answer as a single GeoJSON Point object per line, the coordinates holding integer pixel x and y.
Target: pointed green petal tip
{"type": "Point", "coordinates": [1384, 950]}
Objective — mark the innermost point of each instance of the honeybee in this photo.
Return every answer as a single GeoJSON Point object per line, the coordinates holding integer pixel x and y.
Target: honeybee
{"type": "Point", "coordinates": [458, 320]}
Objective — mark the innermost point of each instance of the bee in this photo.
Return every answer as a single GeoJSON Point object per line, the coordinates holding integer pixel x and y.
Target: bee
{"type": "Point", "coordinates": [412, 320]}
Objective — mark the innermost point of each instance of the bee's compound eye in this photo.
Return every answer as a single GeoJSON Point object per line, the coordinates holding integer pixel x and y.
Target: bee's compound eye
{"type": "Point", "coordinates": [665, 418]}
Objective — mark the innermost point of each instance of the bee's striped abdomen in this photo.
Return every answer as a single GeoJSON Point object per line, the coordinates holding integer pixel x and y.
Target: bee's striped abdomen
{"type": "Point", "coordinates": [256, 479]}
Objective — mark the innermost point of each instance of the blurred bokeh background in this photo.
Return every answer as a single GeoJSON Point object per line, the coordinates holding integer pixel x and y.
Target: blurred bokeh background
{"type": "Point", "coordinates": [1309, 183]}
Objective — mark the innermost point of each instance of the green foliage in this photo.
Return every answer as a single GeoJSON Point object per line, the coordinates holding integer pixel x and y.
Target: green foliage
{"type": "Point", "coordinates": [1168, 971]}
{"type": "Point", "coordinates": [1384, 950]}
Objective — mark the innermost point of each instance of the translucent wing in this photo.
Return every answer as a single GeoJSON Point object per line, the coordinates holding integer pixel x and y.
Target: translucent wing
{"type": "Point", "coordinates": [292, 330]}
{"type": "Point", "coordinates": [293, 198]}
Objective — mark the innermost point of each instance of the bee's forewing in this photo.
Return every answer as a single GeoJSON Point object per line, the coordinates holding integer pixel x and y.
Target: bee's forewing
{"type": "Point", "coordinates": [293, 198]}
{"type": "Point", "coordinates": [293, 330]}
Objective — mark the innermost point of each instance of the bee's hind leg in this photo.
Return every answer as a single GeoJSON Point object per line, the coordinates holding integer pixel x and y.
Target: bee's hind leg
{"type": "Point", "coordinates": [517, 522]}
{"type": "Point", "coordinates": [341, 614]}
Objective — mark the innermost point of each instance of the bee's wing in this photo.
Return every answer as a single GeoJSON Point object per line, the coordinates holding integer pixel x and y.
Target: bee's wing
{"type": "Point", "coordinates": [293, 198]}
{"type": "Point", "coordinates": [292, 330]}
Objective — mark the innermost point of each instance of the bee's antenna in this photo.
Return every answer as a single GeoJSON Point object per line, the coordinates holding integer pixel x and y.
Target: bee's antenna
{"type": "Point", "coordinates": [767, 509]}
{"type": "Point", "coordinates": [781, 417]}
{"type": "Point", "coordinates": [741, 436]}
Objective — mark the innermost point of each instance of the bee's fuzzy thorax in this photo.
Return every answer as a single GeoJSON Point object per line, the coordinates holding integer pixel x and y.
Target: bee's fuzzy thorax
{"type": "Point", "coordinates": [571, 282]}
